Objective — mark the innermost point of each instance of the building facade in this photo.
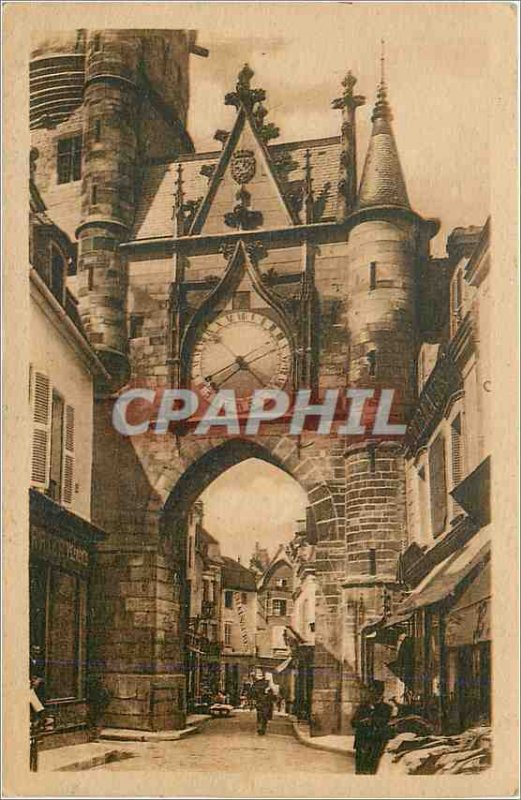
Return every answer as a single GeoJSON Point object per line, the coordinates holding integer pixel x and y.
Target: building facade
{"type": "Point", "coordinates": [433, 649]}
{"type": "Point", "coordinates": [239, 629]}
{"type": "Point", "coordinates": [63, 540]}
{"type": "Point", "coordinates": [254, 242]}
{"type": "Point", "coordinates": [203, 595]}
{"type": "Point", "coordinates": [300, 634]}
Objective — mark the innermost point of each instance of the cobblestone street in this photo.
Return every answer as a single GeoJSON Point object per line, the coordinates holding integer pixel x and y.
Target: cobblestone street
{"type": "Point", "coordinates": [232, 745]}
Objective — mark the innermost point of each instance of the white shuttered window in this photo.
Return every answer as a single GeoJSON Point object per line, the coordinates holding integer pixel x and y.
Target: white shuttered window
{"type": "Point", "coordinates": [41, 395]}
{"type": "Point", "coordinates": [51, 432]}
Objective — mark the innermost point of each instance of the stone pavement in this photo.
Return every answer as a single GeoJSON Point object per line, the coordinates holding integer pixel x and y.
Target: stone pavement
{"type": "Point", "coordinates": [225, 745]}
{"type": "Point", "coordinates": [232, 745]}
{"type": "Point", "coordinates": [332, 743]}
{"type": "Point", "coordinates": [82, 756]}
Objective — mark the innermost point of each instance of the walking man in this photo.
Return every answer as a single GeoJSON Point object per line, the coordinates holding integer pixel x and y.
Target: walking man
{"type": "Point", "coordinates": [264, 698]}
{"type": "Point", "coordinates": [371, 721]}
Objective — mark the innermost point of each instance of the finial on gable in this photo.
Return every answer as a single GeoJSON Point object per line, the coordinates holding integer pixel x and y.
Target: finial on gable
{"type": "Point", "coordinates": [178, 211]}
{"type": "Point", "coordinates": [244, 94]}
{"type": "Point", "coordinates": [348, 99]}
{"type": "Point", "coordinates": [308, 187]}
{"type": "Point", "coordinates": [252, 100]}
{"type": "Point", "coordinates": [347, 181]}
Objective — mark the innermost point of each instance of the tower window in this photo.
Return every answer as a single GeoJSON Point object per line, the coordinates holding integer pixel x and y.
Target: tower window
{"type": "Point", "coordinates": [372, 276]}
{"type": "Point", "coordinates": [136, 326]}
{"type": "Point", "coordinates": [372, 561]}
{"type": "Point", "coordinates": [371, 360]}
{"type": "Point", "coordinates": [94, 194]}
{"type": "Point", "coordinates": [96, 46]}
{"type": "Point", "coordinates": [69, 159]}
{"type": "Point", "coordinates": [97, 130]}
{"type": "Point", "coordinates": [372, 459]}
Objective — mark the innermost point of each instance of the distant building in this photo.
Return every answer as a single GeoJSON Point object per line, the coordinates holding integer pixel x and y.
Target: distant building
{"type": "Point", "coordinates": [238, 621]}
{"type": "Point", "coordinates": [300, 634]}
{"type": "Point", "coordinates": [434, 647]}
{"type": "Point", "coordinates": [260, 559]}
{"type": "Point", "coordinates": [275, 606]}
{"type": "Point", "coordinates": [203, 602]}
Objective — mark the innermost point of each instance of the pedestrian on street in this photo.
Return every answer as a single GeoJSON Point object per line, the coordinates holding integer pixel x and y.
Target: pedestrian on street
{"type": "Point", "coordinates": [264, 698]}
{"type": "Point", "coordinates": [371, 724]}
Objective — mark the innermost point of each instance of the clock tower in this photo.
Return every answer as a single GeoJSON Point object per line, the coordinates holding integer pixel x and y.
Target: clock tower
{"type": "Point", "coordinates": [261, 265]}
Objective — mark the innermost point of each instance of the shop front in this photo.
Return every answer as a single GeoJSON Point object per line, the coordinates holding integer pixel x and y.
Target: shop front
{"type": "Point", "coordinates": [436, 644]}
{"type": "Point", "coordinates": [61, 551]}
{"type": "Point", "coordinates": [468, 655]}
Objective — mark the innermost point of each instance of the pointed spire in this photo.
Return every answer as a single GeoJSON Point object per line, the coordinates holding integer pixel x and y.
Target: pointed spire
{"type": "Point", "coordinates": [382, 181]}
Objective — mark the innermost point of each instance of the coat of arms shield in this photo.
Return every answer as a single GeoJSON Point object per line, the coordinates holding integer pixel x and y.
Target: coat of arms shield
{"type": "Point", "coordinates": [243, 166]}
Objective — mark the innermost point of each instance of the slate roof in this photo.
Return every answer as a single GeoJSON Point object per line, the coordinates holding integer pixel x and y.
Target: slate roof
{"type": "Point", "coordinates": [236, 576]}
{"type": "Point", "coordinates": [382, 181]}
{"type": "Point", "coordinates": [154, 212]}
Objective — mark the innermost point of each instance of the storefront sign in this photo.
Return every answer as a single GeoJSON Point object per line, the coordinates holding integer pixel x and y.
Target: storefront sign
{"type": "Point", "coordinates": [241, 613]}
{"type": "Point", "coordinates": [46, 545]}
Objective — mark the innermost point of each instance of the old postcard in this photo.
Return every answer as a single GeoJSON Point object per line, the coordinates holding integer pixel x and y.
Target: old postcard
{"type": "Point", "coordinates": [261, 365]}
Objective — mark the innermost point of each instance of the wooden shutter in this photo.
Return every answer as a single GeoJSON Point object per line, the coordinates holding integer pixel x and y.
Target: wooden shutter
{"type": "Point", "coordinates": [438, 485]}
{"type": "Point", "coordinates": [456, 459]}
{"type": "Point", "coordinates": [456, 299]}
{"type": "Point", "coordinates": [41, 402]}
{"type": "Point", "coordinates": [68, 456]}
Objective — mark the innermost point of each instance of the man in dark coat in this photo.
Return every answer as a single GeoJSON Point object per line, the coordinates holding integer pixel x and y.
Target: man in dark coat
{"type": "Point", "coordinates": [371, 724]}
{"type": "Point", "coordinates": [264, 698]}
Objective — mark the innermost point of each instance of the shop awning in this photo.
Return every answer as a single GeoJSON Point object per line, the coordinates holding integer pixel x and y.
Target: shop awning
{"type": "Point", "coordinates": [445, 577]}
{"type": "Point", "coordinates": [284, 665]}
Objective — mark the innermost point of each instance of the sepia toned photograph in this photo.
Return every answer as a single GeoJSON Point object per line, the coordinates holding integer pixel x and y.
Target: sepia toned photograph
{"type": "Point", "coordinates": [259, 399]}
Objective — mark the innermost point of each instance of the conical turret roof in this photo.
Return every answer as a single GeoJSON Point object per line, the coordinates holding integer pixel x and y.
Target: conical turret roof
{"type": "Point", "coordinates": [382, 181]}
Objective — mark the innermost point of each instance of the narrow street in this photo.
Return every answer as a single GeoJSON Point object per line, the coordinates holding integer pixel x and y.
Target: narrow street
{"type": "Point", "coordinates": [232, 745]}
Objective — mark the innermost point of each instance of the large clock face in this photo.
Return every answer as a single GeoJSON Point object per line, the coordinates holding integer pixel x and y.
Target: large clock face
{"type": "Point", "coordinates": [243, 351]}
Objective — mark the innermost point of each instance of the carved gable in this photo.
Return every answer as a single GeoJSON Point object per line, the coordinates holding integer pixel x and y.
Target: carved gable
{"type": "Point", "coordinates": [244, 193]}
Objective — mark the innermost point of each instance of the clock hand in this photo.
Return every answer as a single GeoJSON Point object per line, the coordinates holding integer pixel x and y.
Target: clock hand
{"type": "Point", "coordinates": [217, 385]}
{"type": "Point", "coordinates": [257, 358]}
{"type": "Point", "coordinates": [240, 364]}
{"type": "Point", "coordinates": [241, 359]}
{"type": "Point", "coordinates": [256, 374]}
{"type": "Point", "coordinates": [209, 378]}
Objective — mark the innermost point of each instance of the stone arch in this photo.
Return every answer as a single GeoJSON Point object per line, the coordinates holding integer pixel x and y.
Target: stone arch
{"type": "Point", "coordinates": [203, 460]}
